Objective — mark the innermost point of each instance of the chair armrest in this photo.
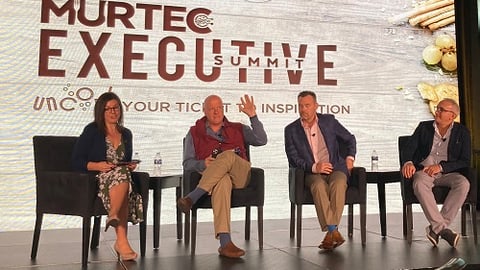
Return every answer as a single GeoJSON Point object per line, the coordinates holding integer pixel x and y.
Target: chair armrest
{"type": "Point", "coordinates": [257, 178]}
{"type": "Point", "coordinates": [472, 178]}
{"type": "Point", "coordinates": [68, 193]}
{"type": "Point", "coordinates": [296, 184]}
{"type": "Point", "coordinates": [358, 178]}
{"type": "Point", "coordinates": [141, 183]}
{"type": "Point", "coordinates": [257, 183]}
{"type": "Point", "coordinates": [190, 181]}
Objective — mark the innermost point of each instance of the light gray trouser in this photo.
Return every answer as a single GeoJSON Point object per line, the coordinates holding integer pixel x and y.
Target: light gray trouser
{"type": "Point", "coordinates": [422, 187]}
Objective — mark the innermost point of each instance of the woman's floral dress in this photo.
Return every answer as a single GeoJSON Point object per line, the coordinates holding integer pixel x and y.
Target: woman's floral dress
{"type": "Point", "coordinates": [119, 174]}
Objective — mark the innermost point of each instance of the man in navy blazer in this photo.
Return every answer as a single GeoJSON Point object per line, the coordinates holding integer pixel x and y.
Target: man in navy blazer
{"type": "Point", "coordinates": [437, 154]}
{"type": "Point", "coordinates": [312, 144]}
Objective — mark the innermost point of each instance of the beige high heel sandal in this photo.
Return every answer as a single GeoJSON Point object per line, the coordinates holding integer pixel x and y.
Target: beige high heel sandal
{"type": "Point", "coordinates": [131, 256]}
{"type": "Point", "coordinates": [112, 221]}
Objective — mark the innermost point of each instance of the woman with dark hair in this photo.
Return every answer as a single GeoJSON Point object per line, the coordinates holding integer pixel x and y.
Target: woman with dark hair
{"type": "Point", "coordinates": [105, 146]}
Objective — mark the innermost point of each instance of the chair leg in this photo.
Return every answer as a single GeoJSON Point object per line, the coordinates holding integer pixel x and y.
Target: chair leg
{"type": "Point", "coordinates": [404, 218]}
{"type": "Point", "coordinates": [464, 220]}
{"type": "Point", "coordinates": [143, 228]}
{"type": "Point", "coordinates": [85, 239]}
{"type": "Point", "coordinates": [363, 222]}
{"type": "Point", "coordinates": [299, 225]}
{"type": "Point", "coordinates": [260, 226]}
{"type": "Point", "coordinates": [292, 220]}
{"type": "Point", "coordinates": [143, 236]}
{"type": "Point", "coordinates": [36, 235]}
{"type": "Point", "coordinates": [179, 215]}
{"type": "Point", "coordinates": [97, 220]}
{"type": "Point", "coordinates": [473, 209]}
{"type": "Point", "coordinates": [350, 220]}
{"type": "Point", "coordinates": [409, 223]}
{"type": "Point", "coordinates": [194, 232]}
{"type": "Point", "coordinates": [157, 212]}
{"type": "Point", "coordinates": [186, 228]}
{"type": "Point", "coordinates": [247, 222]}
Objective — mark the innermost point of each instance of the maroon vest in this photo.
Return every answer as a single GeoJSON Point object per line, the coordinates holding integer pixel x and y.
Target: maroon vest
{"type": "Point", "coordinates": [232, 133]}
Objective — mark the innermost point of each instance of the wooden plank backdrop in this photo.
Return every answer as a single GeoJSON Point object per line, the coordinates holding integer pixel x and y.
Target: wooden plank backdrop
{"type": "Point", "coordinates": [377, 66]}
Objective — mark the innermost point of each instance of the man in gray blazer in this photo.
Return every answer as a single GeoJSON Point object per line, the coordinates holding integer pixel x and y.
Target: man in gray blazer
{"type": "Point", "coordinates": [437, 154]}
{"type": "Point", "coordinates": [312, 144]}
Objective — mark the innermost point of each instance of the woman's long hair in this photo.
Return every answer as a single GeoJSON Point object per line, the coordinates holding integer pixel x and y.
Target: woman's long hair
{"type": "Point", "coordinates": [99, 111]}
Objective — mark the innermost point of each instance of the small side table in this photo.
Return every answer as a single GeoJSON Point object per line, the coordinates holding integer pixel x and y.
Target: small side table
{"type": "Point", "coordinates": [381, 178]}
{"type": "Point", "coordinates": [157, 183]}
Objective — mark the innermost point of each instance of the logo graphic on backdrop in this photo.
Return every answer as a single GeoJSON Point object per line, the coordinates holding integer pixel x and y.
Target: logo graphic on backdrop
{"type": "Point", "coordinates": [173, 55]}
{"type": "Point", "coordinates": [83, 99]}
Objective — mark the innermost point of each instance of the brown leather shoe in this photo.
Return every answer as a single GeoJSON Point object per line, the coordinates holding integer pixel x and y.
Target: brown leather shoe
{"type": "Point", "coordinates": [185, 204]}
{"type": "Point", "coordinates": [327, 242]}
{"type": "Point", "coordinates": [337, 238]}
{"type": "Point", "coordinates": [231, 251]}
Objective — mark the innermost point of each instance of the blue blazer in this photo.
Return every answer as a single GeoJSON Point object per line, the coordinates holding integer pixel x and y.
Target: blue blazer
{"type": "Point", "coordinates": [91, 146]}
{"type": "Point", "coordinates": [420, 144]}
{"type": "Point", "coordinates": [298, 149]}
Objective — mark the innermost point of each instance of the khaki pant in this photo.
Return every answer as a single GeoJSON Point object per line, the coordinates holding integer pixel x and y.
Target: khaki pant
{"type": "Point", "coordinates": [227, 171]}
{"type": "Point", "coordinates": [328, 193]}
{"type": "Point", "coordinates": [422, 187]}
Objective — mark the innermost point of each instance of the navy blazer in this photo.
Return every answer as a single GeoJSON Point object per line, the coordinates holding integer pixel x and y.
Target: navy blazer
{"type": "Point", "coordinates": [91, 146]}
{"type": "Point", "coordinates": [298, 149]}
{"type": "Point", "coordinates": [420, 144]}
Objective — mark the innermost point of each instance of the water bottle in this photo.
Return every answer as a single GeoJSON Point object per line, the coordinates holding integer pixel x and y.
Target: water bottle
{"type": "Point", "coordinates": [374, 164]}
{"type": "Point", "coordinates": [157, 164]}
{"type": "Point", "coordinates": [136, 156]}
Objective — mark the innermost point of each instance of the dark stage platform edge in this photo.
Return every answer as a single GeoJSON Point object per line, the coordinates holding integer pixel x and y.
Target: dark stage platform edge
{"type": "Point", "coordinates": [61, 249]}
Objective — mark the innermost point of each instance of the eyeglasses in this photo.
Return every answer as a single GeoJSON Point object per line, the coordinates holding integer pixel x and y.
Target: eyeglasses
{"type": "Point", "coordinates": [112, 109]}
{"type": "Point", "coordinates": [441, 110]}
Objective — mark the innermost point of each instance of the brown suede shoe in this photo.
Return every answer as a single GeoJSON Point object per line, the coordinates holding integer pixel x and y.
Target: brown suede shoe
{"type": "Point", "coordinates": [327, 242]}
{"type": "Point", "coordinates": [231, 251]}
{"type": "Point", "coordinates": [185, 204]}
{"type": "Point", "coordinates": [337, 238]}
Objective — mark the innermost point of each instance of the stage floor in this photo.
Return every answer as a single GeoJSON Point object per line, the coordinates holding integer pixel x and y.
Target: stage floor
{"type": "Point", "coordinates": [61, 249]}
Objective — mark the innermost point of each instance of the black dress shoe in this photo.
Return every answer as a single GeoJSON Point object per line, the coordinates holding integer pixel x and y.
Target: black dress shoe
{"type": "Point", "coordinates": [450, 236]}
{"type": "Point", "coordinates": [432, 236]}
{"type": "Point", "coordinates": [185, 204]}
